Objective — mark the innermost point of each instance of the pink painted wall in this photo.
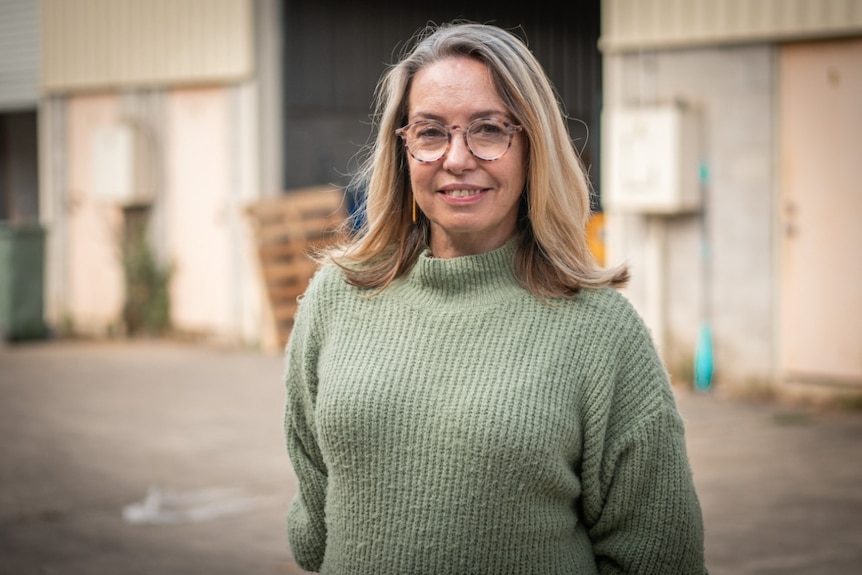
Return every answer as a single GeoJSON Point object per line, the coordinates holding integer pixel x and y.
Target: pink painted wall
{"type": "Point", "coordinates": [94, 277]}
{"type": "Point", "coordinates": [193, 215]}
{"type": "Point", "coordinates": [197, 208]}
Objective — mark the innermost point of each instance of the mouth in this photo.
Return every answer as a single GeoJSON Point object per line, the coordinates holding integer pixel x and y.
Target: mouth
{"type": "Point", "coordinates": [461, 193]}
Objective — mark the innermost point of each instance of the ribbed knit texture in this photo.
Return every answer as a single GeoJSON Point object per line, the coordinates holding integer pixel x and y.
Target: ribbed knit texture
{"type": "Point", "coordinates": [456, 425]}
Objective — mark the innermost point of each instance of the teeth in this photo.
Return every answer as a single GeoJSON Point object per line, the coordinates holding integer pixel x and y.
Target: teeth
{"type": "Point", "coordinates": [461, 193]}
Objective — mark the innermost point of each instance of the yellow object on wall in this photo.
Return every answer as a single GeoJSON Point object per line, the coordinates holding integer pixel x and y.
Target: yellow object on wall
{"type": "Point", "coordinates": [596, 236]}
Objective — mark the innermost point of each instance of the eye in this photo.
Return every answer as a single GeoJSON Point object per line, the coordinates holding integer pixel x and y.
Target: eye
{"type": "Point", "coordinates": [488, 128]}
{"type": "Point", "coordinates": [429, 131]}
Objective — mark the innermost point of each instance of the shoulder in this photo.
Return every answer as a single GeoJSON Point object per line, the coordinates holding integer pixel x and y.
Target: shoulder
{"type": "Point", "coordinates": [602, 318]}
{"type": "Point", "coordinates": [609, 311]}
{"type": "Point", "coordinates": [327, 279]}
{"type": "Point", "coordinates": [622, 347]}
{"type": "Point", "coordinates": [326, 287]}
{"type": "Point", "coordinates": [604, 298]}
{"type": "Point", "coordinates": [616, 317]}
{"type": "Point", "coordinates": [628, 403]}
{"type": "Point", "coordinates": [321, 297]}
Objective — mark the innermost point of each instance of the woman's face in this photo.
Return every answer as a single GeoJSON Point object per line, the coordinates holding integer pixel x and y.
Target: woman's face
{"type": "Point", "coordinates": [472, 204]}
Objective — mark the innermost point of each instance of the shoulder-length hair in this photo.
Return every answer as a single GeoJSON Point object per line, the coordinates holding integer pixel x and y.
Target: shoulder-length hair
{"type": "Point", "coordinates": [552, 258]}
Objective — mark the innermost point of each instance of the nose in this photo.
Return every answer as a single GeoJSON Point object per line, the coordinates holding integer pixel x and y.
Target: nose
{"type": "Point", "coordinates": [458, 157]}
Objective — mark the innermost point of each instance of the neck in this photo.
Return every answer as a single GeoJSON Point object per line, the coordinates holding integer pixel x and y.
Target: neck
{"type": "Point", "coordinates": [446, 245]}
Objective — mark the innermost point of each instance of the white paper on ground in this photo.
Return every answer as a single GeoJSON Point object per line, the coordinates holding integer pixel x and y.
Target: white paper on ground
{"type": "Point", "coordinates": [163, 505]}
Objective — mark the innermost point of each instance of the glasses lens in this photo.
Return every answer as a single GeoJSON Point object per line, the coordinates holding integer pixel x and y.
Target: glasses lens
{"type": "Point", "coordinates": [427, 141]}
{"type": "Point", "coordinates": [488, 139]}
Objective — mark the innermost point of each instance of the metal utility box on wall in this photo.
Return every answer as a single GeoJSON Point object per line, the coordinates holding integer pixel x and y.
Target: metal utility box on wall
{"type": "Point", "coordinates": [120, 165]}
{"type": "Point", "coordinates": [651, 160]}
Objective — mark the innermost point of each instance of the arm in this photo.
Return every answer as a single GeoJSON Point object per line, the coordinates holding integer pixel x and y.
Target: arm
{"type": "Point", "coordinates": [650, 520]}
{"type": "Point", "coordinates": [639, 501]}
{"type": "Point", "coordinates": [306, 527]}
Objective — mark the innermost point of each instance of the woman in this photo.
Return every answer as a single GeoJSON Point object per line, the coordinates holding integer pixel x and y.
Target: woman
{"type": "Point", "coordinates": [466, 391]}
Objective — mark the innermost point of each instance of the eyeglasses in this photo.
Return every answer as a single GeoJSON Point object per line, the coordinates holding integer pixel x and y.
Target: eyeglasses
{"type": "Point", "coordinates": [486, 138]}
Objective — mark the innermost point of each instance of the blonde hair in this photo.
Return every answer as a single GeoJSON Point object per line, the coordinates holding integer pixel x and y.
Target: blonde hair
{"type": "Point", "coordinates": [552, 258]}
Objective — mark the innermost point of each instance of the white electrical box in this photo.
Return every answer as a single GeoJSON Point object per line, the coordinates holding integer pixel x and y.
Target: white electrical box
{"type": "Point", "coordinates": [651, 160]}
{"type": "Point", "coordinates": [119, 174]}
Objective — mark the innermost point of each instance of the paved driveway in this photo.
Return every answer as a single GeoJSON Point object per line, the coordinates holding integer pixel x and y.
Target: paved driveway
{"type": "Point", "coordinates": [166, 458]}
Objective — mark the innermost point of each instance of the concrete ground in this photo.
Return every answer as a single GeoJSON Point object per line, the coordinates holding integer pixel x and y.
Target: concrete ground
{"type": "Point", "coordinates": [167, 458]}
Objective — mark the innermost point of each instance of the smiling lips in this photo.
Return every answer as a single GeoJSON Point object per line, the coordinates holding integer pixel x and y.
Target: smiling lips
{"type": "Point", "coordinates": [461, 193]}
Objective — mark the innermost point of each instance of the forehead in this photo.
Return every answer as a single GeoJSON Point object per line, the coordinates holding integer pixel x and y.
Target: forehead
{"type": "Point", "coordinates": [453, 86]}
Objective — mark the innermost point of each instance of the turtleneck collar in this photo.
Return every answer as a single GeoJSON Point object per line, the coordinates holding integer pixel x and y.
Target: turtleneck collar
{"type": "Point", "coordinates": [478, 279]}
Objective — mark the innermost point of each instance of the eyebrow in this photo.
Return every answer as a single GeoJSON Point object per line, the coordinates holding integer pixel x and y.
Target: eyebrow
{"type": "Point", "coordinates": [480, 114]}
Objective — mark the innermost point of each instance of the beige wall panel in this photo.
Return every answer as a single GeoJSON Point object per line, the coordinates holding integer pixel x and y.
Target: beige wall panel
{"type": "Point", "coordinates": [197, 212]}
{"type": "Point", "coordinates": [108, 43]}
{"type": "Point", "coordinates": [95, 277]}
{"type": "Point", "coordinates": [634, 24]}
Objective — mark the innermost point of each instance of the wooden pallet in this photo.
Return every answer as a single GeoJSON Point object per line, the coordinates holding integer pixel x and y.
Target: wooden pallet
{"type": "Point", "coordinates": [287, 229]}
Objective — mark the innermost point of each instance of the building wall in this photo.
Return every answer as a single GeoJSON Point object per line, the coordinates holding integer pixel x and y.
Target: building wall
{"type": "Point", "coordinates": [91, 44]}
{"type": "Point", "coordinates": [94, 286]}
{"type": "Point", "coordinates": [182, 74]}
{"type": "Point", "coordinates": [19, 96]}
{"type": "Point", "coordinates": [197, 206]}
{"type": "Point", "coordinates": [19, 178]}
{"type": "Point", "coordinates": [331, 65]}
{"type": "Point", "coordinates": [637, 24]}
{"type": "Point", "coordinates": [202, 177]}
{"type": "Point", "coordinates": [211, 178]}
{"type": "Point", "coordinates": [732, 90]}
{"type": "Point", "coordinates": [19, 54]}
{"type": "Point", "coordinates": [819, 206]}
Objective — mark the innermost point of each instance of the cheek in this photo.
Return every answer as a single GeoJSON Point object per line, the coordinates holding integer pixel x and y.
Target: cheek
{"type": "Point", "coordinates": [420, 176]}
{"type": "Point", "coordinates": [523, 166]}
{"type": "Point", "coordinates": [516, 174]}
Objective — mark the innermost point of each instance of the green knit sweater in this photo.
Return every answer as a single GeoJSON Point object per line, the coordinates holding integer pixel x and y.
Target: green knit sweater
{"type": "Point", "coordinates": [456, 425]}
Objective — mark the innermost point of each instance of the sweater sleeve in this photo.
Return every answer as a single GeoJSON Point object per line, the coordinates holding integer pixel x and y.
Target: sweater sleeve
{"type": "Point", "coordinates": [306, 527]}
{"type": "Point", "coordinates": [639, 500]}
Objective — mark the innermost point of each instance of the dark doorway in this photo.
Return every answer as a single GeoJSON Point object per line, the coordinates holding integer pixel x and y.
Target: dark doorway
{"type": "Point", "coordinates": [336, 50]}
{"type": "Point", "coordinates": [19, 167]}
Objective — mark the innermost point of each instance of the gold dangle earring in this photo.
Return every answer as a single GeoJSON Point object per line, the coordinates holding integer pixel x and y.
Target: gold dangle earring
{"type": "Point", "coordinates": [415, 218]}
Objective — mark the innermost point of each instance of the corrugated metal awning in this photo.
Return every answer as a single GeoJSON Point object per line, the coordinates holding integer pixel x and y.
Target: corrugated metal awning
{"type": "Point", "coordinates": [629, 25]}
{"type": "Point", "coordinates": [94, 44]}
{"type": "Point", "coordinates": [19, 54]}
